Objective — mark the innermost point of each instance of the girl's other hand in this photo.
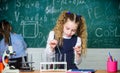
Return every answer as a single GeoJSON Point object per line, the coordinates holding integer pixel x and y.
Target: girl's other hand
{"type": "Point", "coordinates": [53, 44]}
{"type": "Point", "coordinates": [77, 49]}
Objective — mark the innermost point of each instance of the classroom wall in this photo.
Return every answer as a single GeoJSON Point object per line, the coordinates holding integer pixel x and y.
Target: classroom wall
{"type": "Point", "coordinates": [95, 58]}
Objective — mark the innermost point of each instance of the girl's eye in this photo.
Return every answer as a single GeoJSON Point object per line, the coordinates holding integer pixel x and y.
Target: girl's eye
{"type": "Point", "coordinates": [73, 30]}
{"type": "Point", "coordinates": [67, 28]}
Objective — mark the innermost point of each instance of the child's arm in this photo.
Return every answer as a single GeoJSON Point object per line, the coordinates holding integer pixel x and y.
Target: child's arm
{"type": "Point", "coordinates": [50, 46]}
{"type": "Point", "coordinates": [77, 50]}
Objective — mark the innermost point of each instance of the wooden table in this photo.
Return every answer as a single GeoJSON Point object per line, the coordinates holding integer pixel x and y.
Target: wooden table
{"type": "Point", "coordinates": [98, 71]}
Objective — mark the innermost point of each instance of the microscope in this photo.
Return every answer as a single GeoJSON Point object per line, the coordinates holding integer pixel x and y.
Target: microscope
{"type": "Point", "coordinates": [7, 53]}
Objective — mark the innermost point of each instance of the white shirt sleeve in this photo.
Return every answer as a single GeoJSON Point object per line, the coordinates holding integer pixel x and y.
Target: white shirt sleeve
{"type": "Point", "coordinates": [49, 54]}
{"type": "Point", "coordinates": [78, 43]}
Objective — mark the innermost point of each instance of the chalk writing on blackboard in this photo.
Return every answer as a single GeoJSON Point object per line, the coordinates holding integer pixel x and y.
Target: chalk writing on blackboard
{"type": "Point", "coordinates": [35, 18]}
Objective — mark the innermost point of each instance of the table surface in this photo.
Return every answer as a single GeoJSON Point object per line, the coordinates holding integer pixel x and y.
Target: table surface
{"type": "Point", "coordinates": [97, 71]}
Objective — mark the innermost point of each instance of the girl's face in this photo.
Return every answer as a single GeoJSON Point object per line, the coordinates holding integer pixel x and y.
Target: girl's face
{"type": "Point", "coordinates": [69, 28]}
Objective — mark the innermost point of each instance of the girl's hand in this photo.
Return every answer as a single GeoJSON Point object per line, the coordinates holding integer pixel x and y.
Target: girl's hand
{"type": "Point", "coordinates": [53, 44]}
{"type": "Point", "coordinates": [78, 50]}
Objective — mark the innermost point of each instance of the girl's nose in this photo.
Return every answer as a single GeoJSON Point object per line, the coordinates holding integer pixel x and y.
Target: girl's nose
{"type": "Point", "coordinates": [69, 32]}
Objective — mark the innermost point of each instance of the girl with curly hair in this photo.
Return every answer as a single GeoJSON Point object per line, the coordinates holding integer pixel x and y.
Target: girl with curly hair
{"type": "Point", "coordinates": [68, 37]}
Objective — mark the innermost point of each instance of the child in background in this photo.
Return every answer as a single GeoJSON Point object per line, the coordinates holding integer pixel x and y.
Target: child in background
{"type": "Point", "coordinates": [69, 37]}
{"type": "Point", "coordinates": [14, 40]}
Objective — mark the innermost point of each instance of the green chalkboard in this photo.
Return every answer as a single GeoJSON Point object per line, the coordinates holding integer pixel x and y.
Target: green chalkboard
{"type": "Point", "coordinates": [35, 18]}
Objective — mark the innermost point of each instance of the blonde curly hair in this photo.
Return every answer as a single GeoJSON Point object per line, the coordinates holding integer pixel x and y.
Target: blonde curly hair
{"type": "Point", "coordinates": [81, 30]}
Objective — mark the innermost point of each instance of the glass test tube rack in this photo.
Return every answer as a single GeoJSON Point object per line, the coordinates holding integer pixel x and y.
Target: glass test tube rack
{"type": "Point", "coordinates": [27, 65]}
{"type": "Point", "coordinates": [57, 64]}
